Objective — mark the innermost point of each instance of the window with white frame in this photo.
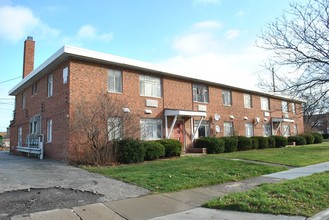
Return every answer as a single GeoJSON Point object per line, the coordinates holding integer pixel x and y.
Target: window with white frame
{"type": "Point", "coordinates": [19, 136]}
{"type": "Point", "coordinates": [200, 93]}
{"type": "Point", "coordinates": [50, 85]}
{"type": "Point", "coordinates": [204, 128]}
{"type": "Point", "coordinates": [295, 131]}
{"type": "Point", "coordinates": [114, 128]}
{"type": "Point", "coordinates": [151, 129]}
{"type": "Point", "coordinates": [265, 104]}
{"type": "Point", "coordinates": [150, 86]}
{"type": "Point", "coordinates": [49, 131]}
{"type": "Point", "coordinates": [293, 108]}
{"type": "Point", "coordinates": [23, 100]}
{"type": "Point", "coordinates": [247, 100]}
{"type": "Point", "coordinates": [65, 74]}
{"type": "Point", "coordinates": [267, 130]}
{"type": "Point", "coordinates": [249, 129]}
{"type": "Point", "coordinates": [35, 125]}
{"type": "Point", "coordinates": [227, 97]}
{"type": "Point", "coordinates": [286, 130]}
{"type": "Point", "coordinates": [228, 128]}
{"type": "Point", "coordinates": [284, 106]}
{"type": "Point", "coordinates": [114, 81]}
{"type": "Point", "coordinates": [34, 89]}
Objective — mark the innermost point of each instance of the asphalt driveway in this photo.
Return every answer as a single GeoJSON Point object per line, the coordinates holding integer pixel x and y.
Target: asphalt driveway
{"type": "Point", "coordinates": [18, 173]}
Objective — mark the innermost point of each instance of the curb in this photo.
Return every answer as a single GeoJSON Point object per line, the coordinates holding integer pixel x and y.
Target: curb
{"type": "Point", "coordinates": [324, 215]}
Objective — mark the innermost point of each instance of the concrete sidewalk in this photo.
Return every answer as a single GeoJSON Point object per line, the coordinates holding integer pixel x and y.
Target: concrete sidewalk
{"type": "Point", "coordinates": [180, 205]}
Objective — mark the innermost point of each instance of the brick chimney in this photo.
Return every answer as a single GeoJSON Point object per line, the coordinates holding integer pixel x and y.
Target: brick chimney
{"type": "Point", "coordinates": [28, 60]}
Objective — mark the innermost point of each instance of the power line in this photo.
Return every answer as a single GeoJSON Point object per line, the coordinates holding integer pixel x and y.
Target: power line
{"type": "Point", "coordinates": [10, 80]}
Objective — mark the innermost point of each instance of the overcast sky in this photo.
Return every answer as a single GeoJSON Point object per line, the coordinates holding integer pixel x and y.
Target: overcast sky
{"type": "Point", "coordinates": [209, 39]}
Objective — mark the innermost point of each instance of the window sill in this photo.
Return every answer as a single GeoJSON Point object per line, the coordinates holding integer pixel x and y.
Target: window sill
{"type": "Point", "coordinates": [119, 93]}
{"type": "Point", "coordinates": [201, 102]}
{"type": "Point", "coordinates": [154, 97]}
{"type": "Point", "coordinates": [227, 105]}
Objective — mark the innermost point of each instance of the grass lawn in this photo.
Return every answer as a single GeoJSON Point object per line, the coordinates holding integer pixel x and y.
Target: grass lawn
{"type": "Point", "coordinates": [183, 173]}
{"type": "Point", "coordinates": [304, 196]}
{"type": "Point", "coordinates": [291, 156]}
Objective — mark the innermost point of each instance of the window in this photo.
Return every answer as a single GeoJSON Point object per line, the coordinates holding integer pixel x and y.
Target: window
{"type": "Point", "coordinates": [204, 129]}
{"type": "Point", "coordinates": [295, 131]}
{"type": "Point", "coordinates": [247, 101]}
{"type": "Point", "coordinates": [284, 106]}
{"type": "Point", "coordinates": [114, 81]}
{"type": "Point", "coordinates": [151, 129]}
{"type": "Point", "coordinates": [19, 136]}
{"type": "Point", "coordinates": [293, 108]}
{"type": "Point", "coordinates": [227, 97]}
{"type": "Point", "coordinates": [50, 85]}
{"type": "Point", "coordinates": [264, 102]}
{"type": "Point", "coordinates": [200, 93]}
{"type": "Point", "coordinates": [35, 125]}
{"type": "Point", "coordinates": [65, 74]}
{"type": "Point", "coordinates": [267, 130]}
{"type": "Point", "coordinates": [228, 128]}
{"type": "Point", "coordinates": [49, 130]}
{"type": "Point", "coordinates": [286, 130]}
{"type": "Point", "coordinates": [23, 100]}
{"type": "Point", "coordinates": [34, 88]}
{"type": "Point", "coordinates": [114, 126]}
{"type": "Point", "coordinates": [249, 129]}
{"type": "Point", "coordinates": [150, 86]}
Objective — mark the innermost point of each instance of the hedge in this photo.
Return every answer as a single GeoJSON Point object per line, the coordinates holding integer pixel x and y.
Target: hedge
{"type": "Point", "coordinates": [254, 143]}
{"type": "Point", "coordinates": [318, 138]}
{"type": "Point", "coordinates": [213, 145]}
{"type": "Point", "coordinates": [153, 150]}
{"type": "Point", "coordinates": [280, 141]}
{"type": "Point", "coordinates": [130, 151]}
{"type": "Point", "coordinates": [172, 147]}
{"type": "Point", "coordinates": [299, 140]}
{"type": "Point", "coordinates": [271, 142]}
{"type": "Point", "coordinates": [244, 143]}
{"type": "Point", "coordinates": [325, 136]}
{"type": "Point", "coordinates": [309, 138]}
{"type": "Point", "coordinates": [262, 142]}
{"type": "Point", "coordinates": [230, 144]}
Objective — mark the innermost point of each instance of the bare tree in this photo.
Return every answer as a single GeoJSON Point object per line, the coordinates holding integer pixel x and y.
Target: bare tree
{"type": "Point", "coordinates": [96, 126]}
{"type": "Point", "coordinates": [299, 46]}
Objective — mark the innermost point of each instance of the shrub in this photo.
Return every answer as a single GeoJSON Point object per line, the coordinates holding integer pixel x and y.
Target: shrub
{"type": "Point", "coordinates": [254, 143]}
{"type": "Point", "coordinates": [244, 143]}
{"type": "Point", "coordinates": [262, 142]}
{"type": "Point", "coordinates": [309, 138]}
{"type": "Point", "coordinates": [280, 141]}
{"type": "Point", "coordinates": [213, 145]}
{"type": "Point", "coordinates": [230, 144]}
{"type": "Point", "coordinates": [130, 151]}
{"type": "Point", "coordinates": [299, 140]}
{"type": "Point", "coordinates": [318, 138]}
{"type": "Point", "coordinates": [271, 142]}
{"type": "Point", "coordinates": [172, 147]}
{"type": "Point", "coordinates": [325, 136]}
{"type": "Point", "coordinates": [153, 150]}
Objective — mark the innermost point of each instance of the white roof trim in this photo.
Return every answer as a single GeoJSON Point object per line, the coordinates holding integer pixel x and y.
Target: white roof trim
{"type": "Point", "coordinates": [184, 113]}
{"type": "Point", "coordinates": [282, 120]}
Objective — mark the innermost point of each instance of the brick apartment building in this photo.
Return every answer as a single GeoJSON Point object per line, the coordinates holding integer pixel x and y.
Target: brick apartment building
{"type": "Point", "coordinates": [165, 104]}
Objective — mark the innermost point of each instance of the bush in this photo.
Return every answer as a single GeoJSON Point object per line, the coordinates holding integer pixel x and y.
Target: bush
{"type": "Point", "coordinates": [153, 150]}
{"type": "Point", "coordinates": [318, 138]}
{"type": "Point", "coordinates": [172, 147]}
{"type": "Point", "coordinates": [230, 144]}
{"type": "Point", "coordinates": [280, 141]}
{"type": "Point", "coordinates": [325, 136]}
{"type": "Point", "coordinates": [244, 143]}
{"type": "Point", "coordinates": [262, 142]}
{"type": "Point", "coordinates": [213, 145]}
{"type": "Point", "coordinates": [130, 151]}
{"type": "Point", "coordinates": [309, 138]}
{"type": "Point", "coordinates": [271, 142]}
{"type": "Point", "coordinates": [254, 143]}
{"type": "Point", "coordinates": [299, 140]}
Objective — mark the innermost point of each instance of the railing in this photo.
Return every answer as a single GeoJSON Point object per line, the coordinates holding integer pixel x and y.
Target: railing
{"type": "Point", "coordinates": [34, 144]}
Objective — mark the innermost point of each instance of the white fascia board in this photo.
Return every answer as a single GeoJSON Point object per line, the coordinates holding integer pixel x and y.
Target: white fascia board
{"type": "Point", "coordinates": [185, 113]}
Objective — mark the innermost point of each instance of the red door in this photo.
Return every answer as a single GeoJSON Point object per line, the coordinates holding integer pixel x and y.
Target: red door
{"type": "Point", "coordinates": [179, 131]}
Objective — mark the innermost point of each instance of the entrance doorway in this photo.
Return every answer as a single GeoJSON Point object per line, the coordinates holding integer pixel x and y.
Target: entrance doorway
{"type": "Point", "coordinates": [179, 132]}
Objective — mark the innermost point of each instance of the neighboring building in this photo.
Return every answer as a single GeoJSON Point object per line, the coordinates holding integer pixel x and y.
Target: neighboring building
{"type": "Point", "coordinates": [317, 122]}
{"type": "Point", "coordinates": [166, 104]}
{"type": "Point", "coordinates": [5, 142]}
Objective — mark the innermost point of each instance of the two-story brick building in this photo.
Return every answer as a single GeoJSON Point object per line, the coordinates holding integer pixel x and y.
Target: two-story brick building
{"type": "Point", "coordinates": [166, 104]}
